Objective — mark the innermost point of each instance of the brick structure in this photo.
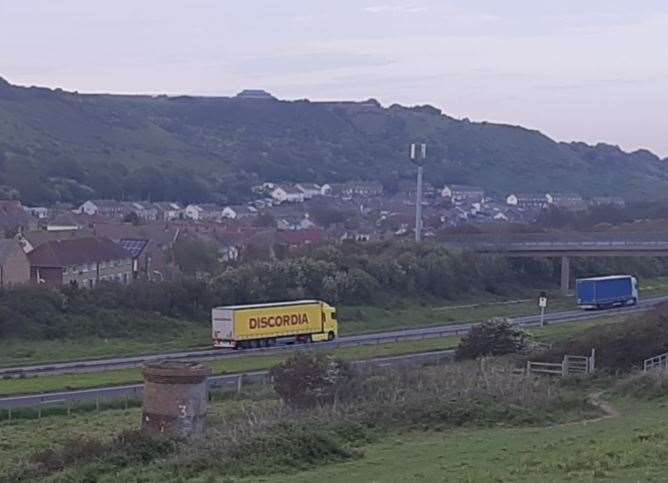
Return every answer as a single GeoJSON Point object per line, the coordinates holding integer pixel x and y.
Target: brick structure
{"type": "Point", "coordinates": [83, 262]}
{"type": "Point", "coordinates": [14, 265]}
{"type": "Point", "coordinates": [175, 399]}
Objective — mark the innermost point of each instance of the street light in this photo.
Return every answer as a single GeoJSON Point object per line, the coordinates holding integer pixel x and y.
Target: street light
{"type": "Point", "coordinates": [418, 154]}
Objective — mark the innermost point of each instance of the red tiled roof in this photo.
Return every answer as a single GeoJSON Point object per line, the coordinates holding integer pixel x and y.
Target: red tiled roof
{"type": "Point", "coordinates": [76, 251]}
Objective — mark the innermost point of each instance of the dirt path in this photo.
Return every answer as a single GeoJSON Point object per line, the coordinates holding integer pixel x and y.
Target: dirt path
{"type": "Point", "coordinates": [609, 412]}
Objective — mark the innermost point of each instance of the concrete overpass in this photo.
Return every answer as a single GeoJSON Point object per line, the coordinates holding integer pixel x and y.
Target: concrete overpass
{"type": "Point", "coordinates": [627, 245]}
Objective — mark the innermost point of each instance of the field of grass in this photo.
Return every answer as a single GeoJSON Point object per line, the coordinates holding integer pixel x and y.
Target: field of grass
{"type": "Point", "coordinates": [631, 447]}
{"type": "Point", "coordinates": [628, 447]}
{"type": "Point", "coordinates": [353, 320]}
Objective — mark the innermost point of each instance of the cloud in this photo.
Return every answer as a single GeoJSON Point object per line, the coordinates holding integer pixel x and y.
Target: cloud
{"type": "Point", "coordinates": [395, 9]}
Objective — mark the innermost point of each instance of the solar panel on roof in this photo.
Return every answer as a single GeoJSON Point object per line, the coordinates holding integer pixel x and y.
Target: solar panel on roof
{"type": "Point", "coordinates": [134, 247]}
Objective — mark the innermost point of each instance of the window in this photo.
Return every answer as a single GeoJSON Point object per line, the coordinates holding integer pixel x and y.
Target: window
{"type": "Point", "coordinates": [333, 315]}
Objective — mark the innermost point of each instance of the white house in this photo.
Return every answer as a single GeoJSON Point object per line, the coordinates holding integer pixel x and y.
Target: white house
{"type": "Point", "coordinates": [168, 210]}
{"type": "Point", "coordinates": [309, 189]}
{"type": "Point", "coordinates": [204, 212]}
{"type": "Point", "coordinates": [291, 194]}
{"type": "Point", "coordinates": [527, 200]}
{"type": "Point", "coordinates": [462, 193]}
{"type": "Point", "coordinates": [238, 211]}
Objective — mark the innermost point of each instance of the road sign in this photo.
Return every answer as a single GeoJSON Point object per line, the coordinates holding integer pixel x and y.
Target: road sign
{"type": "Point", "coordinates": [542, 303]}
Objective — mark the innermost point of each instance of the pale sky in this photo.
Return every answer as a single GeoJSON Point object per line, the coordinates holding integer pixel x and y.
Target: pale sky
{"type": "Point", "coordinates": [591, 70]}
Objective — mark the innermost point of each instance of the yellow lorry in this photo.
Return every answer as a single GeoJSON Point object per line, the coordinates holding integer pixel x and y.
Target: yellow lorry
{"type": "Point", "coordinates": [263, 325]}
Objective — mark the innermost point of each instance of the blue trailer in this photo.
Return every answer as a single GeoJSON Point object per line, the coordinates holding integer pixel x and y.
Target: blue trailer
{"type": "Point", "coordinates": [607, 292]}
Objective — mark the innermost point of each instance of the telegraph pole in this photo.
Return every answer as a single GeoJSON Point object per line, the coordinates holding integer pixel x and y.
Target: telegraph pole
{"type": "Point", "coordinates": [418, 154]}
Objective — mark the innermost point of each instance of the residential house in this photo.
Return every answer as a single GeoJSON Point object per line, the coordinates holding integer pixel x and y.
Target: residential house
{"type": "Point", "coordinates": [608, 201]}
{"type": "Point", "coordinates": [169, 210]}
{"type": "Point", "coordinates": [39, 212]}
{"type": "Point", "coordinates": [204, 212]}
{"type": "Point", "coordinates": [291, 194]}
{"type": "Point", "coordinates": [298, 239]}
{"type": "Point", "coordinates": [409, 189]}
{"type": "Point", "coordinates": [310, 190]}
{"type": "Point", "coordinates": [14, 264]}
{"type": "Point", "coordinates": [567, 201]}
{"type": "Point", "coordinates": [82, 262]}
{"type": "Point", "coordinates": [14, 219]}
{"type": "Point", "coordinates": [461, 193]}
{"type": "Point", "coordinates": [141, 260]}
{"type": "Point", "coordinates": [237, 212]}
{"type": "Point", "coordinates": [527, 200]}
{"type": "Point", "coordinates": [106, 208]}
{"type": "Point", "coordinates": [361, 188]}
{"type": "Point", "coordinates": [144, 210]}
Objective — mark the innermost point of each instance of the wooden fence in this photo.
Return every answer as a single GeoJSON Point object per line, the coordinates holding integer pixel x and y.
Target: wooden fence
{"type": "Point", "coordinates": [569, 366]}
{"type": "Point", "coordinates": [656, 363]}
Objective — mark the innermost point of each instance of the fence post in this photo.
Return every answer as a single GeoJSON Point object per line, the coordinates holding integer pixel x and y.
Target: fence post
{"type": "Point", "coordinates": [564, 367]}
{"type": "Point", "coordinates": [592, 360]}
{"type": "Point", "coordinates": [239, 378]}
{"type": "Point", "coordinates": [528, 372]}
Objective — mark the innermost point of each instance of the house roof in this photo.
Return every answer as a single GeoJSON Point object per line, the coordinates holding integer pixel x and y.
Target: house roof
{"type": "Point", "coordinates": [301, 237]}
{"type": "Point", "coordinates": [7, 247]}
{"type": "Point", "coordinates": [12, 214]}
{"type": "Point", "coordinates": [64, 253]}
{"type": "Point", "coordinates": [465, 188]}
{"type": "Point", "coordinates": [134, 247]}
{"type": "Point", "coordinates": [291, 190]}
{"type": "Point", "coordinates": [309, 186]}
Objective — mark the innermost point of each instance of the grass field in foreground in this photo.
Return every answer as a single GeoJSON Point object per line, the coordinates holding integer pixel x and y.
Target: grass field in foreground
{"type": "Point", "coordinates": [629, 448]}
{"type": "Point", "coordinates": [353, 320]}
{"type": "Point", "coordinates": [10, 387]}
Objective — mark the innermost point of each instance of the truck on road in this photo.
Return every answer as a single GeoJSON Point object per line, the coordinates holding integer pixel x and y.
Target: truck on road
{"type": "Point", "coordinates": [607, 292]}
{"type": "Point", "coordinates": [263, 325]}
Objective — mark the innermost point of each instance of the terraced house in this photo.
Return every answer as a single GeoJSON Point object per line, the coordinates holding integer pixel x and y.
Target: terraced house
{"type": "Point", "coordinates": [82, 262]}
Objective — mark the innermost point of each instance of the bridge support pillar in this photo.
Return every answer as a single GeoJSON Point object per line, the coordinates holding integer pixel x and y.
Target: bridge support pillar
{"type": "Point", "coordinates": [565, 275]}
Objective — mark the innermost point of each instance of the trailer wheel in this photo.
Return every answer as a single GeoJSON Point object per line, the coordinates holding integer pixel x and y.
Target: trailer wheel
{"type": "Point", "coordinates": [330, 336]}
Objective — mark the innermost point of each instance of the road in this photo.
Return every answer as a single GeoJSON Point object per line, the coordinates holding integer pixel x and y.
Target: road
{"type": "Point", "coordinates": [456, 329]}
{"type": "Point", "coordinates": [234, 381]}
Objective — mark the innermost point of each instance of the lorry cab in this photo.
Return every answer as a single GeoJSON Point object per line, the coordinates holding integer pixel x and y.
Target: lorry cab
{"type": "Point", "coordinates": [330, 323]}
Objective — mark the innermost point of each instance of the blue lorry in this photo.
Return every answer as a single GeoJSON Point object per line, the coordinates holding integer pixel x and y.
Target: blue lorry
{"type": "Point", "coordinates": [607, 292]}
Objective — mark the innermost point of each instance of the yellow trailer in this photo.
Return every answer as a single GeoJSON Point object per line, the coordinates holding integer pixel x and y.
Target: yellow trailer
{"type": "Point", "coordinates": [262, 325]}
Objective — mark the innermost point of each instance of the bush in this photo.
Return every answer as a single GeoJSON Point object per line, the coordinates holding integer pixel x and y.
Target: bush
{"type": "Point", "coordinates": [619, 347]}
{"type": "Point", "coordinates": [492, 338]}
{"type": "Point", "coordinates": [310, 379]}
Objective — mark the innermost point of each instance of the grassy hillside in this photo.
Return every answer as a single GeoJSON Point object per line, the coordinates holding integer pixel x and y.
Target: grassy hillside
{"type": "Point", "coordinates": [57, 145]}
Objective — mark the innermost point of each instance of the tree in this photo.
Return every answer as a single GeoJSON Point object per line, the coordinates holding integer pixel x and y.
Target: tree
{"type": "Point", "coordinates": [309, 379]}
{"type": "Point", "coordinates": [492, 338]}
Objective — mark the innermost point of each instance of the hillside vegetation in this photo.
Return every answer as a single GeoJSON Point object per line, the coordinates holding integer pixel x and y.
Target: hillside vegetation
{"type": "Point", "coordinates": [62, 146]}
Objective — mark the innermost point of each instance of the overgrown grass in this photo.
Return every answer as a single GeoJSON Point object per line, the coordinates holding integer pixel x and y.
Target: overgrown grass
{"type": "Point", "coordinates": [263, 439]}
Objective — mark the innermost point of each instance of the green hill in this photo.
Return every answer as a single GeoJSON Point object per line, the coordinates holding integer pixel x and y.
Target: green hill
{"type": "Point", "coordinates": [64, 146]}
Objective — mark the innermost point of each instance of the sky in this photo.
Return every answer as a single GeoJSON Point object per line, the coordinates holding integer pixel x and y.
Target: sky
{"type": "Point", "coordinates": [590, 70]}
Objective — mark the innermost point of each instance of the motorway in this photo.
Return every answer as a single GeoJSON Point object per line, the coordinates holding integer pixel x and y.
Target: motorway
{"type": "Point", "coordinates": [456, 329]}
{"type": "Point", "coordinates": [105, 394]}
{"type": "Point", "coordinates": [234, 381]}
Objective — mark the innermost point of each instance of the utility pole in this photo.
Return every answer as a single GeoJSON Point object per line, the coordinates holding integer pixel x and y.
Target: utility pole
{"type": "Point", "coordinates": [418, 154]}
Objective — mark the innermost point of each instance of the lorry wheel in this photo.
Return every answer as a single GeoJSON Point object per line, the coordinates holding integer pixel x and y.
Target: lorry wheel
{"type": "Point", "coordinates": [330, 336]}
